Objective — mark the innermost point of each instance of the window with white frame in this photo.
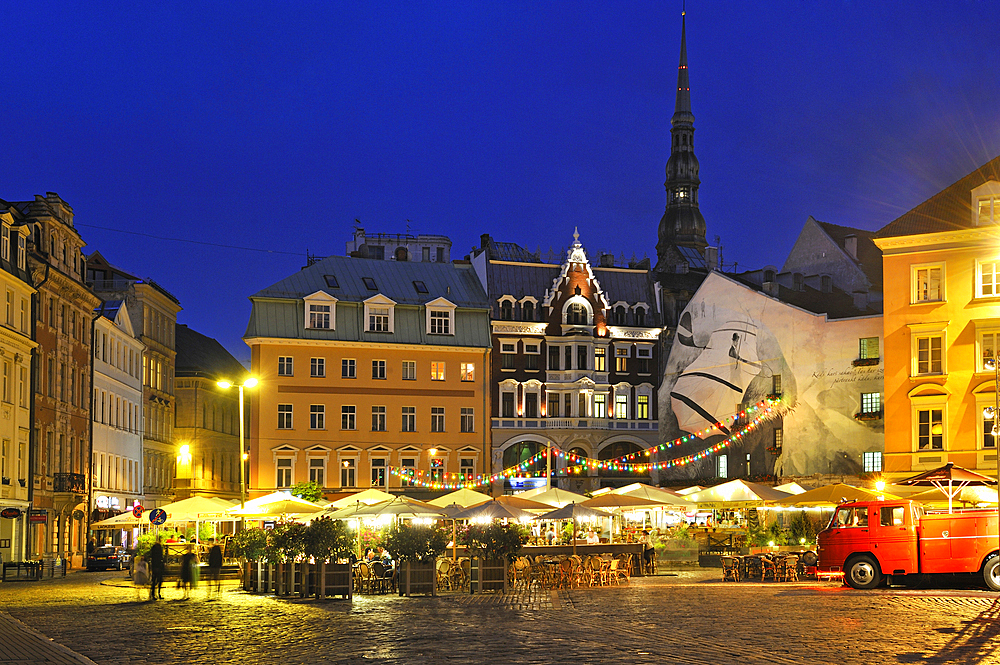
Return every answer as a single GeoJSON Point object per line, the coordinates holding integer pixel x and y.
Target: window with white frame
{"type": "Point", "coordinates": [508, 353]}
{"type": "Point", "coordinates": [930, 428]}
{"type": "Point", "coordinates": [407, 467]}
{"type": "Point", "coordinates": [348, 368]}
{"type": "Point", "coordinates": [378, 418]}
{"type": "Point", "coordinates": [467, 371]}
{"type": "Point", "coordinates": [643, 355]}
{"type": "Point", "coordinates": [379, 474]}
{"type": "Point", "coordinates": [532, 353]}
{"type": "Point", "coordinates": [317, 416]}
{"type": "Point", "coordinates": [988, 342]}
{"type": "Point", "coordinates": [507, 399]}
{"type": "Point", "coordinates": [871, 403]}
{"type": "Point", "coordinates": [437, 370]}
{"type": "Point", "coordinates": [507, 309]}
{"type": "Point", "coordinates": [409, 370]}
{"type": "Point", "coordinates": [468, 419]}
{"type": "Point", "coordinates": [440, 322]}
{"type": "Point", "coordinates": [319, 316]}
{"type": "Point", "coordinates": [5, 243]}
{"type": "Point", "coordinates": [871, 462]}
{"type": "Point", "coordinates": [987, 279]}
{"type": "Point", "coordinates": [642, 407]}
{"type": "Point", "coordinates": [378, 369]}
{"type": "Point", "coordinates": [600, 405]}
{"type": "Point", "coordinates": [348, 472]}
{"type": "Point", "coordinates": [988, 209]}
{"type": "Point", "coordinates": [21, 251]}
{"type": "Point", "coordinates": [988, 428]}
{"type": "Point", "coordinates": [320, 311]}
{"type": "Point", "coordinates": [317, 367]}
{"type": "Point", "coordinates": [437, 419]}
{"type": "Point", "coordinates": [929, 354]}
{"type": "Point", "coordinates": [283, 472]}
{"type": "Point", "coordinates": [317, 470]}
{"type": "Point", "coordinates": [409, 419]}
{"type": "Point", "coordinates": [284, 416]}
{"type": "Point", "coordinates": [467, 468]}
{"type": "Point", "coordinates": [722, 466]}
{"type": "Point", "coordinates": [621, 406]}
{"type": "Point", "coordinates": [927, 283]}
{"type": "Point", "coordinates": [379, 314]}
{"type": "Point", "coordinates": [348, 417]}
{"type": "Point", "coordinates": [284, 366]}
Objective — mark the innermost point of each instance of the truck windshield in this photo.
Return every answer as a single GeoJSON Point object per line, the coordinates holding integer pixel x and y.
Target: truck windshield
{"type": "Point", "coordinates": [850, 516]}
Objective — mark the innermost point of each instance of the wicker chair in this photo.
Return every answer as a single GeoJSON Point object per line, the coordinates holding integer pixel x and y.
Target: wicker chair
{"type": "Point", "coordinates": [730, 569]}
{"type": "Point", "coordinates": [444, 574]}
{"type": "Point", "coordinates": [788, 569]}
{"type": "Point", "coordinates": [768, 569]}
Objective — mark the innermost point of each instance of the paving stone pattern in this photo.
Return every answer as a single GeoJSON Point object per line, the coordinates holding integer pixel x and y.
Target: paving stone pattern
{"type": "Point", "coordinates": [690, 617]}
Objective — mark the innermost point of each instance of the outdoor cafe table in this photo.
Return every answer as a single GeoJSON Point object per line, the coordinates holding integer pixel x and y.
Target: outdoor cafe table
{"type": "Point", "coordinates": [633, 549]}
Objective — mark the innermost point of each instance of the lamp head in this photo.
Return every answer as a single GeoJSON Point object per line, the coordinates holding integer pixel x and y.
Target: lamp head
{"type": "Point", "coordinates": [250, 383]}
{"type": "Point", "coordinates": [988, 413]}
{"type": "Point", "coordinates": [225, 384]}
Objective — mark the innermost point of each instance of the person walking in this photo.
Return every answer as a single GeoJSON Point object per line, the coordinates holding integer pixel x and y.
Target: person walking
{"type": "Point", "coordinates": [157, 566]}
{"type": "Point", "coordinates": [187, 571]}
{"type": "Point", "coordinates": [214, 567]}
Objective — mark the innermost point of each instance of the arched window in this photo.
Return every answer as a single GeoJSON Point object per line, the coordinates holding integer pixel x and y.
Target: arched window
{"type": "Point", "coordinates": [619, 316]}
{"type": "Point", "coordinates": [528, 311]}
{"type": "Point", "coordinates": [507, 311]}
{"type": "Point", "coordinates": [576, 314]}
{"type": "Point", "coordinates": [618, 450]}
{"type": "Point", "coordinates": [768, 275]}
{"type": "Point", "coordinates": [521, 452]}
{"type": "Point", "coordinates": [640, 316]}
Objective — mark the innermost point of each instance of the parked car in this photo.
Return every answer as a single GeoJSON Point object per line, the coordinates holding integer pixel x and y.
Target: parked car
{"type": "Point", "coordinates": [106, 557]}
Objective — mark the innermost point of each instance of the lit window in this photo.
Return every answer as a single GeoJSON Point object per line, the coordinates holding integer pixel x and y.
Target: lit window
{"type": "Point", "coordinates": [868, 348]}
{"type": "Point", "coordinates": [600, 359]}
{"type": "Point", "coordinates": [871, 403]}
{"type": "Point", "coordinates": [600, 406]}
{"type": "Point", "coordinates": [621, 406]}
{"type": "Point", "coordinates": [930, 429]}
{"type": "Point", "coordinates": [467, 371]}
{"type": "Point", "coordinates": [642, 407]}
{"type": "Point", "coordinates": [437, 371]}
{"type": "Point", "coordinates": [871, 462]}
{"type": "Point", "coordinates": [722, 466]}
{"type": "Point", "coordinates": [989, 210]}
{"type": "Point", "coordinates": [987, 279]}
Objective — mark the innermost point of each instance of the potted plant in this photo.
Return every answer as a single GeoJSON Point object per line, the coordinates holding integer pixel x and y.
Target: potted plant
{"type": "Point", "coordinates": [326, 541]}
{"type": "Point", "coordinates": [416, 548]}
{"type": "Point", "coordinates": [250, 545]}
{"type": "Point", "coordinates": [286, 544]}
{"type": "Point", "coordinates": [492, 546]}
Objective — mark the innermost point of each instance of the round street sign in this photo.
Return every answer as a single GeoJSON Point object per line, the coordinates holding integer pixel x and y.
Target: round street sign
{"type": "Point", "coordinates": [157, 516]}
{"type": "Point", "coordinates": [10, 513]}
{"type": "Point", "coordinates": [137, 511]}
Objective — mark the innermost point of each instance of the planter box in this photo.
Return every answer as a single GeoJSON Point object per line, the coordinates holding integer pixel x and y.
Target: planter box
{"type": "Point", "coordinates": [259, 576]}
{"type": "Point", "coordinates": [330, 579]}
{"type": "Point", "coordinates": [418, 577]}
{"type": "Point", "coordinates": [488, 575]}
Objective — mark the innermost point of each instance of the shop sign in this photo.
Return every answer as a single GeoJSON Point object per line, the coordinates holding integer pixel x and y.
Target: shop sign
{"type": "Point", "coordinates": [10, 513]}
{"type": "Point", "coordinates": [102, 502]}
{"type": "Point", "coordinates": [38, 516]}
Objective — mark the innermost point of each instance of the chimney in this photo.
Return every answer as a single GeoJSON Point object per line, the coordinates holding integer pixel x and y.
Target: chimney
{"type": "Point", "coordinates": [484, 241]}
{"type": "Point", "coordinates": [851, 245]}
{"type": "Point", "coordinates": [712, 257]}
{"type": "Point", "coordinates": [860, 300]}
{"type": "Point", "coordinates": [607, 260]}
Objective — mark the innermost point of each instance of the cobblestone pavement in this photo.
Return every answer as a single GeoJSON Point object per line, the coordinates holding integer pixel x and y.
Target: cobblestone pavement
{"type": "Point", "coordinates": [688, 617]}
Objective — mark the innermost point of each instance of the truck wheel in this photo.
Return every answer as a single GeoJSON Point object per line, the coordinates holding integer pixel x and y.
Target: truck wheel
{"type": "Point", "coordinates": [991, 573]}
{"type": "Point", "coordinates": [862, 573]}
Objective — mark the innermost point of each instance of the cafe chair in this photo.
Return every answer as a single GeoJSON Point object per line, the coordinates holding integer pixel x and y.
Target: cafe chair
{"type": "Point", "coordinates": [730, 569]}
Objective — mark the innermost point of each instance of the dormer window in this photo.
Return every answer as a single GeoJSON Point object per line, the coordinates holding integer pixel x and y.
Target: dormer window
{"type": "Point", "coordinates": [5, 246]}
{"type": "Point", "coordinates": [507, 310]}
{"type": "Point", "coordinates": [640, 316]}
{"type": "Point", "coordinates": [379, 314]}
{"type": "Point", "coordinates": [768, 275]}
{"type": "Point", "coordinates": [440, 317]}
{"type": "Point", "coordinates": [576, 314]}
{"type": "Point", "coordinates": [528, 311]}
{"type": "Point", "coordinates": [619, 316]}
{"type": "Point", "coordinates": [989, 210]}
{"type": "Point", "coordinates": [21, 252]}
{"type": "Point", "coordinates": [320, 311]}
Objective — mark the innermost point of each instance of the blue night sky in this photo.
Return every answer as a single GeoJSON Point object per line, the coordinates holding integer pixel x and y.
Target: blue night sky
{"type": "Point", "coordinates": [218, 131]}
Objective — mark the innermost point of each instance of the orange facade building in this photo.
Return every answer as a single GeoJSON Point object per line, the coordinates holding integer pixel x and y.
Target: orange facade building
{"type": "Point", "coordinates": [941, 267]}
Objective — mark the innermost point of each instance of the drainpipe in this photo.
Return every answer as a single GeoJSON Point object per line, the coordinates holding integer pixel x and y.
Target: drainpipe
{"type": "Point", "coordinates": [90, 424]}
{"type": "Point", "coordinates": [33, 442]}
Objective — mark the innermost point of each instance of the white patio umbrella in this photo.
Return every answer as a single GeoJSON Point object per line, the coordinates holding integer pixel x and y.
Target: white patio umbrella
{"type": "Point", "coordinates": [574, 511]}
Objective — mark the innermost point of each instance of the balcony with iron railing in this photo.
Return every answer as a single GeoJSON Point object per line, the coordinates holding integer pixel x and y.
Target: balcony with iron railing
{"type": "Point", "coordinates": [576, 423]}
{"type": "Point", "coordinates": [69, 482]}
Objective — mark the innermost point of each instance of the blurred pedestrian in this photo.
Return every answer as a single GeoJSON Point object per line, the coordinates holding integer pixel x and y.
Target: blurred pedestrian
{"type": "Point", "coordinates": [187, 571]}
{"type": "Point", "coordinates": [214, 567]}
{"type": "Point", "coordinates": [157, 566]}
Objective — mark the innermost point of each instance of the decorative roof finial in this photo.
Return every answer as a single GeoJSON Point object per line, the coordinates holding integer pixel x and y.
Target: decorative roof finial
{"type": "Point", "coordinates": [576, 234]}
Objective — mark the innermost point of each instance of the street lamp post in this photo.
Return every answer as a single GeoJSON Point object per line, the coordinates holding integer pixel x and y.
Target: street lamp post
{"type": "Point", "coordinates": [992, 413]}
{"type": "Point", "coordinates": [249, 383]}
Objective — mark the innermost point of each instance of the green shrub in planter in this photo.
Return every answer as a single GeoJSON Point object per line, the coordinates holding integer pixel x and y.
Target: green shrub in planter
{"type": "Point", "coordinates": [495, 540]}
{"type": "Point", "coordinates": [250, 544]}
{"type": "Point", "coordinates": [408, 542]}
{"type": "Point", "coordinates": [328, 540]}
{"type": "Point", "coordinates": [285, 542]}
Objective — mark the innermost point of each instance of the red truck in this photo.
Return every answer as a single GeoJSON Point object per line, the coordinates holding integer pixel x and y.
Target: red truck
{"type": "Point", "coordinates": [867, 541]}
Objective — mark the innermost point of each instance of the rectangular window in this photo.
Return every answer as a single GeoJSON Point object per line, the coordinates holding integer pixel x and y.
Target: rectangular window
{"type": "Point", "coordinates": [317, 367]}
{"type": "Point", "coordinates": [581, 357]}
{"type": "Point", "coordinates": [348, 368]}
{"type": "Point", "coordinates": [467, 468]}
{"type": "Point", "coordinates": [553, 406]}
{"type": "Point", "coordinates": [440, 323]}
{"type": "Point", "coordinates": [348, 472]}
{"type": "Point", "coordinates": [467, 371]}
{"type": "Point", "coordinates": [868, 348]}
{"type": "Point", "coordinates": [5, 243]}
{"type": "Point", "coordinates": [317, 416]}
{"type": "Point", "coordinates": [317, 471]}
{"type": "Point", "coordinates": [600, 359]}
{"type": "Point", "coordinates": [409, 422]}
{"type": "Point", "coordinates": [409, 370]}
{"type": "Point", "coordinates": [530, 405]}
{"type": "Point", "coordinates": [872, 462]}
{"type": "Point", "coordinates": [778, 439]}
{"type": "Point", "coordinates": [722, 466]}
{"type": "Point", "coordinates": [283, 472]}
{"type": "Point", "coordinates": [437, 419]}
{"type": "Point", "coordinates": [871, 403]}
{"type": "Point", "coordinates": [775, 384]}
{"type": "Point", "coordinates": [553, 358]}
{"type": "Point", "coordinates": [407, 465]}
{"type": "Point", "coordinates": [928, 284]}
{"type": "Point", "coordinates": [642, 407]}
{"type": "Point", "coordinates": [348, 417]}
{"type": "Point", "coordinates": [568, 358]}
{"type": "Point", "coordinates": [378, 369]}
{"type": "Point", "coordinates": [437, 470]}
{"type": "Point", "coordinates": [284, 416]}
{"type": "Point", "coordinates": [437, 371]}
{"type": "Point", "coordinates": [600, 406]}
{"type": "Point", "coordinates": [378, 319]}
{"type": "Point", "coordinates": [468, 419]}
{"type": "Point", "coordinates": [930, 429]}
{"type": "Point", "coordinates": [319, 316]}
{"type": "Point", "coordinates": [621, 406]}
{"type": "Point", "coordinates": [378, 472]}
{"type": "Point", "coordinates": [929, 354]}
{"type": "Point", "coordinates": [506, 405]}
{"type": "Point", "coordinates": [530, 362]}
{"type": "Point", "coordinates": [507, 361]}
{"type": "Point", "coordinates": [284, 366]}
{"type": "Point", "coordinates": [378, 418]}
{"type": "Point", "coordinates": [10, 308]}
{"type": "Point", "coordinates": [988, 279]}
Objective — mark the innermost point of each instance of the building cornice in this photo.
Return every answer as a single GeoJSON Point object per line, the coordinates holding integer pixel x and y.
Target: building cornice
{"type": "Point", "coordinates": [944, 240]}
{"type": "Point", "coordinates": [334, 343]}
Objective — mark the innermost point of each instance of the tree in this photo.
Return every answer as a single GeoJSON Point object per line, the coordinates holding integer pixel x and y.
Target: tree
{"type": "Point", "coordinates": [328, 539]}
{"type": "Point", "coordinates": [309, 491]}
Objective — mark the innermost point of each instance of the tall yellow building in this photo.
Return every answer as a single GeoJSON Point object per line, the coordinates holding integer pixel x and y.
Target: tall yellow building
{"type": "Point", "coordinates": [367, 367]}
{"type": "Point", "coordinates": [941, 268]}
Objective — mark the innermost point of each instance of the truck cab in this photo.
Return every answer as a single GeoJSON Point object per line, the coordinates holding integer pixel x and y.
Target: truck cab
{"type": "Point", "coordinates": [867, 540]}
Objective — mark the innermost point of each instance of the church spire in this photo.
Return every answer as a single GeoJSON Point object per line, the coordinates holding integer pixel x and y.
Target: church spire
{"type": "Point", "coordinates": [682, 224]}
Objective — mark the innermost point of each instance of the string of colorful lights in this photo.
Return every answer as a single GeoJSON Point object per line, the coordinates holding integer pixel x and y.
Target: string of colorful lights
{"type": "Point", "coordinates": [763, 410]}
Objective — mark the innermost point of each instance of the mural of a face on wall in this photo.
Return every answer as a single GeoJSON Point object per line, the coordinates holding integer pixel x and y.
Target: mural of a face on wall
{"type": "Point", "coordinates": [721, 357]}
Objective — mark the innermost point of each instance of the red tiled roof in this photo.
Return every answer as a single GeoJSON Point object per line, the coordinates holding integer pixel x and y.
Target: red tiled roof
{"type": "Point", "coordinates": [948, 210]}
